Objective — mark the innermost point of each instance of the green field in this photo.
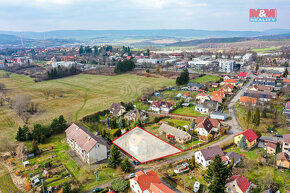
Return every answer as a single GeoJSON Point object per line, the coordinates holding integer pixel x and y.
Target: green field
{"type": "Point", "coordinates": [82, 95]}
{"type": "Point", "coordinates": [261, 50]}
{"type": "Point", "coordinates": [190, 111]}
{"type": "Point", "coordinates": [206, 78]}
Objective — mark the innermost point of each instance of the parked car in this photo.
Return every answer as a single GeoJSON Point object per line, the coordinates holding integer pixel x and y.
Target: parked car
{"type": "Point", "coordinates": [132, 175]}
{"type": "Point", "coordinates": [136, 162]}
{"type": "Point", "coordinates": [98, 190]}
{"type": "Point", "coordinates": [278, 135]}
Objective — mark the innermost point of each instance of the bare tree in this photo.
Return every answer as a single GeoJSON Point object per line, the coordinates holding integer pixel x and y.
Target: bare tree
{"type": "Point", "coordinates": [21, 104]}
{"type": "Point", "coordinates": [2, 86]}
{"type": "Point", "coordinates": [25, 117]}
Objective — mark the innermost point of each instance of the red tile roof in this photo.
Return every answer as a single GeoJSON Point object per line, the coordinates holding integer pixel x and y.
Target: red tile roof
{"type": "Point", "coordinates": [272, 145]}
{"type": "Point", "coordinates": [242, 182]}
{"type": "Point", "coordinates": [224, 158]}
{"type": "Point", "coordinates": [159, 104]}
{"type": "Point", "coordinates": [287, 106]}
{"type": "Point", "coordinates": [219, 93]}
{"type": "Point", "coordinates": [145, 179]}
{"type": "Point", "coordinates": [231, 81]}
{"type": "Point", "coordinates": [218, 99]}
{"type": "Point", "coordinates": [286, 138]}
{"type": "Point", "coordinates": [246, 99]}
{"type": "Point", "coordinates": [249, 134]}
{"type": "Point", "coordinates": [160, 188]}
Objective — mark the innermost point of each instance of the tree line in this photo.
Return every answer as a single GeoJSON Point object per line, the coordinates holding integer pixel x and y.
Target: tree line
{"type": "Point", "coordinates": [60, 72]}
{"type": "Point", "coordinates": [124, 66]}
{"type": "Point", "coordinates": [40, 133]}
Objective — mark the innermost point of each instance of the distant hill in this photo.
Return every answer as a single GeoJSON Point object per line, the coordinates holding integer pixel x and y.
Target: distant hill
{"type": "Point", "coordinates": [9, 39]}
{"type": "Point", "coordinates": [163, 33]}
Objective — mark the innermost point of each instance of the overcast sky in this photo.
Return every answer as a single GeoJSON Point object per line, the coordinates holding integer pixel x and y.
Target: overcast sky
{"type": "Point", "coordinates": [45, 15]}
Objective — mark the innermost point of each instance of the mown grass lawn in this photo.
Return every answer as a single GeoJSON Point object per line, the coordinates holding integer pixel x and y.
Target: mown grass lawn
{"type": "Point", "coordinates": [266, 49]}
{"type": "Point", "coordinates": [82, 95]}
{"type": "Point", "coordinates": [190, 111]}
{"type": "Point", "coordinates": [252, 154]}
{"type": "Point", "coordinates": [206, 78]}
{"type": "Point", "coordinates": [177, 122]}
{"type": "Point", "coordinates": [6, 183]}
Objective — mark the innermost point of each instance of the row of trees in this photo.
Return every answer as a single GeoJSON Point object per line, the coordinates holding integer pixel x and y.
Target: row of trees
{"type": "Point", "coordinates": [62, 72]}
{"type": "Point", "coordinates": [124, 66]}
{"type": "Point", "coordinates": [255, 119]}
{"type": "Point", "coordinates": [40, 132]}
{"type": "Point", "coordinates": [87, 50]}
{"type": "Point", "coordinates": [183, 78]}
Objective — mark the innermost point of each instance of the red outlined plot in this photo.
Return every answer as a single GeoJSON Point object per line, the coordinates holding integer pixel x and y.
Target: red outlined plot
{"type": "Point", "coordinates": [143, 146]}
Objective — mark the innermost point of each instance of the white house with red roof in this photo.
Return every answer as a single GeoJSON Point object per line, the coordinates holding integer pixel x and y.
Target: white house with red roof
{"type": "Point", "coordinates": [204, 125]}
{"type": "Point", "coordinates": [161, 106]}
{"type": "Point", "coordinates": [250, 135]}
{"type": "Point", "coordinates": [200, 98]}
{"type": "Point", "coordinates": [148, 182]}
{"type": "Point", "coordinates": [238, 184]}
{"type": "Point", "coordinates": [89, 147]}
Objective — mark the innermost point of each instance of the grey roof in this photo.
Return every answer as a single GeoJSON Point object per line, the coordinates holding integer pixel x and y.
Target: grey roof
{"type": "Point", "coordinates": [210, 104]}
{"type": "Point", "coordinates": [195, 84]}
{"type": "Point", "coordinates": [173, 131]}
{"type": "Point", "coordinates": [115, 108]}
{"type": "Point", "coordinates": [209, 152]}
{"type": "Point", "coordinates": [269, 138]}
{"type": "Point", "coordinates": [234, 155]}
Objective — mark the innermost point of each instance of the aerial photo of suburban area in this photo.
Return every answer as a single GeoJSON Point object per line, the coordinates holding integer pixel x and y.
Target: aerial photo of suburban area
{"type": "Point", "coordinates": [144, 96]}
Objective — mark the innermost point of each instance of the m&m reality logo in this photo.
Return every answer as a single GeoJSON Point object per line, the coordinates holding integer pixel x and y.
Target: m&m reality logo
{"type": "Point", "coordinates": [263, 15]}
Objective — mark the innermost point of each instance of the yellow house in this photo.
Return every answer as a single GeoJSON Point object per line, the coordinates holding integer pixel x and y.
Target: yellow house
{"type": "Point", "coordinates": [283, 160]}
{"type": "Point", "coordinates": [250, 135]}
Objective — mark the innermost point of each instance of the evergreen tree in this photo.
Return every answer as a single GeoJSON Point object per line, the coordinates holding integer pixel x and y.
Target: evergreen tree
{"type": "Point", "coordinates": [217, 175]}
{"type": "Point", "coordinates": [26, 133]}
{"type": "Point", "coordinates": [249, 116]}
{"type": "Point", "coordinates": [192, 124]}
{"type": "Point", "coordinates": [126, 165]}
{"type": "Point", "coordinates": [20, 135]}
{"type": "Point", "coordinates": [58, 125]}
{"type": "Point", "coordinates": [285, 74]}
{"type": "Point", "coordinates": [118, 133]}
{"type": "Point", "coordinates": [243, 143]}
{"type": "Point", "coordinates": [108, 121]}
{"type": "Point", "coordinates": [81, 51]}
{"type": "Point", "coordinates": [115, 157]}
{"type": "Point", "coordinates": [183, 78]}
{"type": "Point", "coordinates": [192, 163]}
{"type": "Point", "coordinates": [35, 148]}
{"type": "Point", "coordinates": [257, 68]}
{"type": "Point", "coordinates": [264, 113]}
{"type": "Point", "coordinates": [256, 119]}
{"type": "Point", "coordinates": [121, 123]}
{"type": "Point", "coordinates": [148, 52]}
{"type": "Point", "coordinates": [113, 124]}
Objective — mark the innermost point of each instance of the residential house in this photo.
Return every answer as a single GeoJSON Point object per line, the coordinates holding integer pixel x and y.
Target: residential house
{"type": "Point", "coordinates": [248, 100]}
{"type": "Point", "coordinates": [200, 98]}
{"type": "Point", "coordinates": [89, 147]}
{"type": "Point", "coordinates": [137, 145]}
{"type": "Point", "coordinates": [194, 86]}
{"type": "Point", "coordinates": [179, 135]}
{"type": "Point", "coordinates": [218, 95]}
{"type": "Point", "coordinates": [250, 135]}
{"type": "Point", "coordinates": [265, 81]}
{"type": "Point", "coordinates": [135, 114]}
{"type": "Point", "coordinates": [286, 143]}
{"type": "Point", "coordinates": [117, 109]}
{"type": "Point", "coordinates": [211, 105]}
{"type": "Point", "coordinates": [229, 81]}
{"type": "Point", "coordinates": [233, 155]}
{"type": "Point", "coordinates": [283, 160]}
{"type": "Point", "coordinates": [148, 182]}
{"type": "Point", "coordinates": [161, 106]}
{"type": "Point", "coordinates": [287, 108]}
{"type": "Point", "coordinates": [204, 126]}
{"type": "Point", "coordinates": [202, 109]}
{"type": "Point", "coordinates": [242, 75]}
{"type": "Point", "coordinates": [205, 156]}
{"type": "Point", "coordinates": [218, 115]}
{"type": "Point", "coordinates": [271, 148]}
{"type": "Point", "coordinates": [261, 88]}
{"type": "Point", "coordinates": [228, 88]}
{"type": "Point", "coordinates": [264, 140]}
{"type": "Point", "coordinates": [261, 96]}
{"type": "Point", "coordinates": [238, 184]}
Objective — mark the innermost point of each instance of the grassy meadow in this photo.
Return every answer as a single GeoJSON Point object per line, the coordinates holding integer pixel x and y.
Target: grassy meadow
{"type": "Point", "coordinates": [81, 95]}
{"type": "Point", "coordinates": [205, 79]}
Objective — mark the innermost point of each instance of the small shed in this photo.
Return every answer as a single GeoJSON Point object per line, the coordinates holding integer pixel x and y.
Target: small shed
{"type": "Point", "coordinates": [25, 164]}
{"type": "Point", "coordinates": [218, 115]}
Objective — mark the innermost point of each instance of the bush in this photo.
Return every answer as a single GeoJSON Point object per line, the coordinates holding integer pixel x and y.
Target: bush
{"type": "Point", "coordinates": [119, 184]}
